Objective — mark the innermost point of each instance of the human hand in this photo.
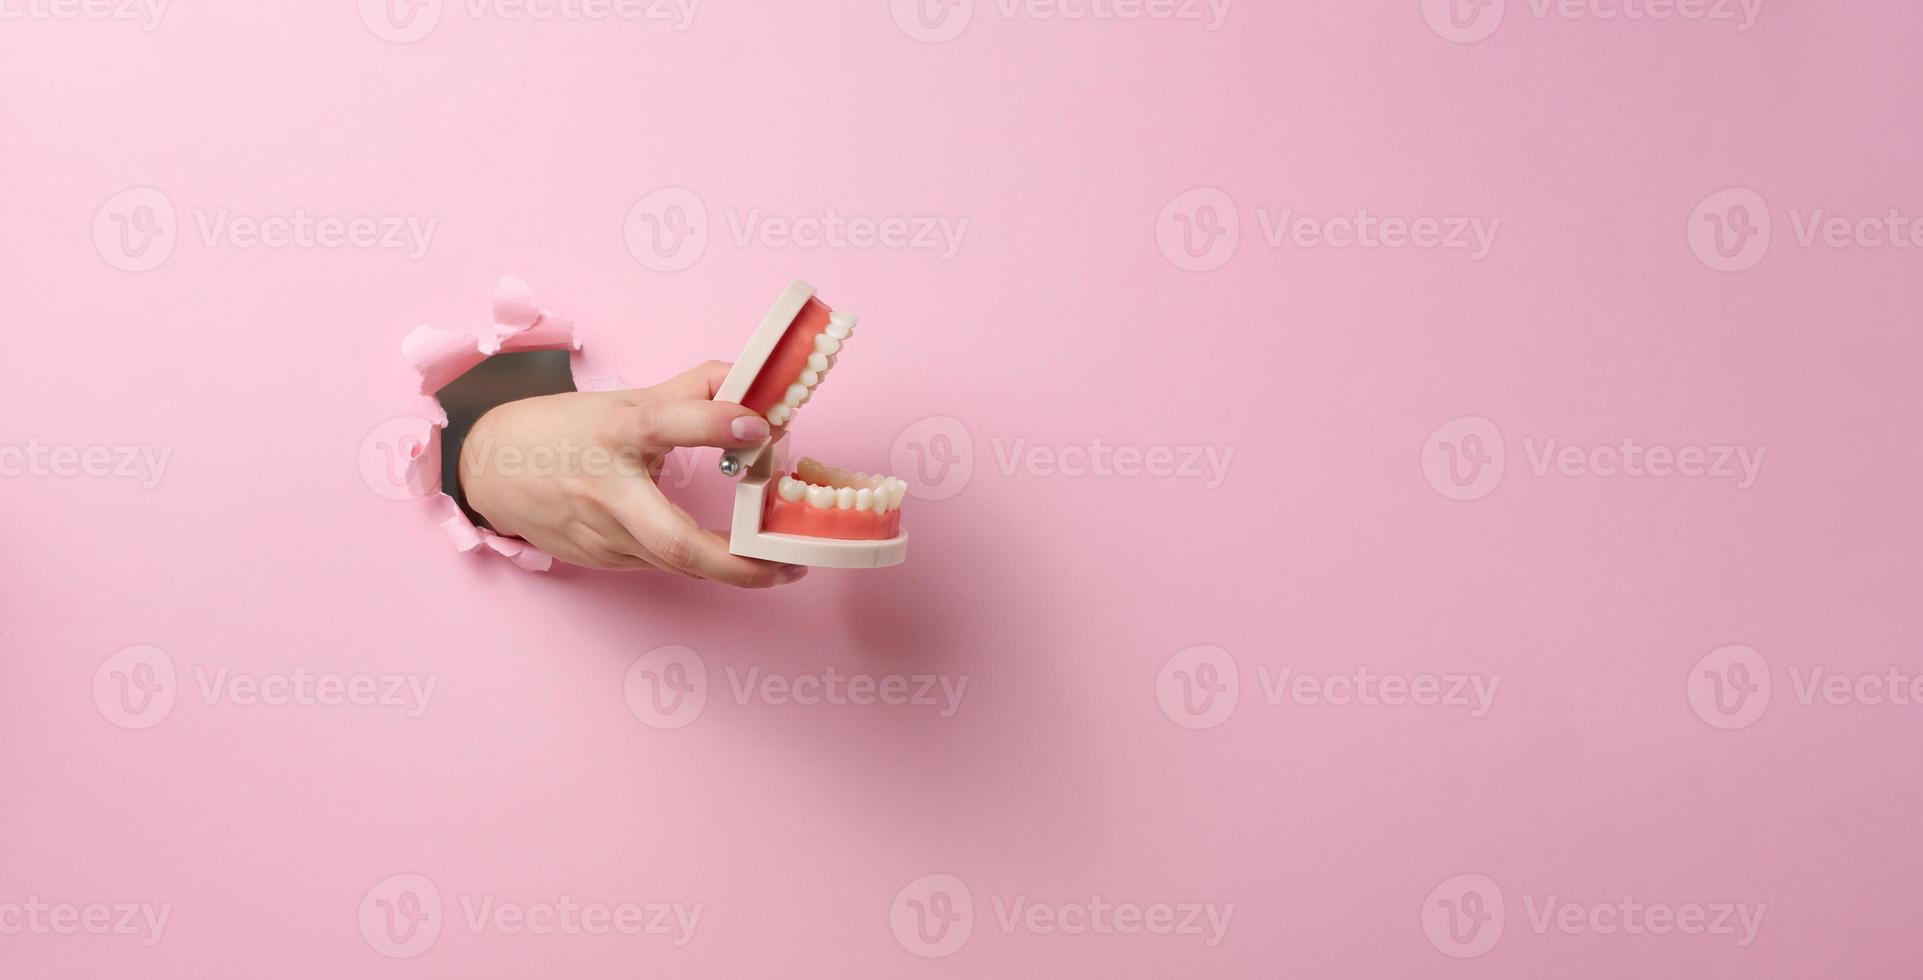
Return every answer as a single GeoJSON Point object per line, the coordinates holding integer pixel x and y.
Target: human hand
{"type": "Point", "coordinates": [574, 474]}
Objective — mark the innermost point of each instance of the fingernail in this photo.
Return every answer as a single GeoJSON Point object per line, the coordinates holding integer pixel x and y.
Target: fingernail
{"type": "Point", "coordinates": [791, 573]}
{"type": "Point", "coordinates": [750, 427]}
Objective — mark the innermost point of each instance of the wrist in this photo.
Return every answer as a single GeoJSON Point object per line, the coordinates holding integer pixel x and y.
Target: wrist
{"type": "Point", "coordinates": [478, 481]}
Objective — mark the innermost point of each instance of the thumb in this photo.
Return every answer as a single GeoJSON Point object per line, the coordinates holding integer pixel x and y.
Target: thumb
{"type": "Point", "coordinates": [696, 422]}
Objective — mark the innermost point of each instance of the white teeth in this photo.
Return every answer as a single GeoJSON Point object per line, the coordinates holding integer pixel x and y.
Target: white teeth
{"type": "Point", "coordinates": [833, 488]}
{"type": "Point", "coordinates": [827, 343]}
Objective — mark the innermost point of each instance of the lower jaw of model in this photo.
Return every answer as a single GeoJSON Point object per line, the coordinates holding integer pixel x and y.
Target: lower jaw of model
{"type": "Point", "coordinates": [825, 501]}
{"type": "Point", "coordinates": [812, 500]}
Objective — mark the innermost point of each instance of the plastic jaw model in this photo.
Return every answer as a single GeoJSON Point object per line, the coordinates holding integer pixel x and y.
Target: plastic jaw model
{"type": "Point", "coordinates": [810, 513]}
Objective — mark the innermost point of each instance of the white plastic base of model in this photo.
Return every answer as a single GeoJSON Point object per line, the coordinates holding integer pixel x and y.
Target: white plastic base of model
{"type": "Point", "coordinates": [746, 538]}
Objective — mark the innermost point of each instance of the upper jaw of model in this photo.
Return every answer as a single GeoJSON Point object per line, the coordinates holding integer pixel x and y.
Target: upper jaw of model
{"type": "Point", "coordinates": [814, 370]}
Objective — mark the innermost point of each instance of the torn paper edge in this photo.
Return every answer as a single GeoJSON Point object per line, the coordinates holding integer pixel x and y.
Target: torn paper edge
{"type": "Point", "coordinates": [440, 356]}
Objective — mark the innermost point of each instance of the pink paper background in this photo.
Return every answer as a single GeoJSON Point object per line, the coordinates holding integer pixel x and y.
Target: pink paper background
{"type": "Point", "coordinates": [1067, 316]}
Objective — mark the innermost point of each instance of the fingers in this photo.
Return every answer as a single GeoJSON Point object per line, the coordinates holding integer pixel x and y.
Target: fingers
{"type": "Point", "coordinates": [665, 422]}
{"type": "Point", "coordinates": [676, 542]}
{"type": "Point", "coordinates": [700, 381]}
{"type": "Point", "coordinates": [614, 547]}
